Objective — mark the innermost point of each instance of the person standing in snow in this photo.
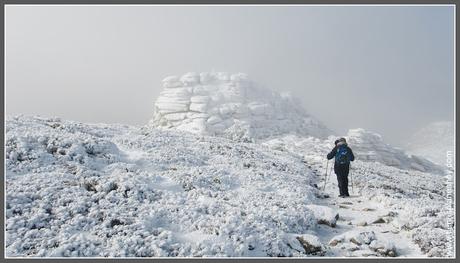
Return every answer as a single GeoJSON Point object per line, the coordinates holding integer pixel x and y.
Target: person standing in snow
{"type": "Point", "coordinates": [343, 156]}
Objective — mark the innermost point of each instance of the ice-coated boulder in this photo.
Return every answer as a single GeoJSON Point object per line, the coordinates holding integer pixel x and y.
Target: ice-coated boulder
{"type": "Point", "coordinates": [230, 105]}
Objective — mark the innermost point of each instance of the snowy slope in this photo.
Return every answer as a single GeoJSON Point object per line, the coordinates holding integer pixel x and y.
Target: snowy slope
{"type": "Point", "coordinates": [230, 105]}
{"type": "Point", "coordinates": [76, 189]}
{"type": "Point", "coordinates": [433, 142]}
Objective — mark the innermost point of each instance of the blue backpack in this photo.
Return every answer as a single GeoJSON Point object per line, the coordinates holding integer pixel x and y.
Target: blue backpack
{"type": "Point", "coordinates": [342, 155]}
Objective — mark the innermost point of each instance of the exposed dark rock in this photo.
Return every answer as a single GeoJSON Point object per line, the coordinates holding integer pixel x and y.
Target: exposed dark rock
{"type": "Point", "coordinates": [309, 247]}
{"type": "Point", "coordinates": [115, 222]}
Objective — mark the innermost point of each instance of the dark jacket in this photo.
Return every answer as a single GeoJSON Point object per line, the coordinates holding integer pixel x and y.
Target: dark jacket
{"type": "Point", "coordinates": [341, 168]}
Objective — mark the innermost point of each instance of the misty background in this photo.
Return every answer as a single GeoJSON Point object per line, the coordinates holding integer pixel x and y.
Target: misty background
{"type": "Point", "coordinates": [388, 69]}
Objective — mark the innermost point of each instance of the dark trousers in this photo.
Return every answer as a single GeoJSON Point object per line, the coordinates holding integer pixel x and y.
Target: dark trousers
{"type": "Point", "coordinates": [342, 178]}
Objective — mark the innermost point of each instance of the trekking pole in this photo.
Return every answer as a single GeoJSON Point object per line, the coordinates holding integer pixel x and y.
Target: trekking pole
{"type": "Point", "coordinates": [330, 171]}
{"type": "Point", "coordinates": [325, 175]}
{"type": "Point", "coordinates": [351, 180]}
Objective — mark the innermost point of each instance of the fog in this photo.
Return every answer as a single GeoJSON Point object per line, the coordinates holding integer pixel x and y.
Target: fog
{"type": "Point", "coordinates": [388, 69]}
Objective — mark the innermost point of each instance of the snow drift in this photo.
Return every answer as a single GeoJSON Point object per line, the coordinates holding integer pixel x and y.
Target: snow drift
{"type": "Point", "coordinates": [230, 105]}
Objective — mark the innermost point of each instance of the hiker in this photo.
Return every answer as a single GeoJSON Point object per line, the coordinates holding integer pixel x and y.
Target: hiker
{"type": "Point", "coordinates": [343, 155]}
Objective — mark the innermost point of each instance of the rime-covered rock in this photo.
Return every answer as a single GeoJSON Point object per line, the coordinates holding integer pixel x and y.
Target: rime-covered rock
{"type": "Point", "coordinates": [310, 243]}
{"type": "Point", "coordinates": [230, 105]}
{"type": "Point", "coordinates": [369, 146]}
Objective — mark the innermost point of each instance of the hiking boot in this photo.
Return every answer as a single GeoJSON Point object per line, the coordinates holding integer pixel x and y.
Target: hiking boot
{"type": "Point", "coordinates": [342, 196]}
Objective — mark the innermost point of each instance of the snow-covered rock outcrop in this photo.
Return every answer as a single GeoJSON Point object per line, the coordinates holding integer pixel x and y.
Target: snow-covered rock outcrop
{"type": "Point", "coordinates": [230, 105]}
{"type": "Point", "coordinates": [433, 142]}
{"type": "Point", "coordinates": [369, 146]}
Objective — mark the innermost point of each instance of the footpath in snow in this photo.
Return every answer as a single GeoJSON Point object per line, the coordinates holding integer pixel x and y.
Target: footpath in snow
{"type": "Point", "coordinates": [390, 212]}
{"type": "Point", "coordinates": [363, 227]}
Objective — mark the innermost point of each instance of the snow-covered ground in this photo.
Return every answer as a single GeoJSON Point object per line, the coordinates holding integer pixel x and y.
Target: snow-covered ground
{"type": "Point", "coordinates": [412, 205]}
{"type": "Point", "coordinates": [74, 189]}
{"type": "Point", "coordinates": [224, 169]}
{"type": "Point", "coordinates": [405, 208]}
{"type": "Point", "coordinates": [97, 190]}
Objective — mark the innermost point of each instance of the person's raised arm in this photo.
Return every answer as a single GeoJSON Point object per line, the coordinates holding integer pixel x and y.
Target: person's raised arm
{"type": "Point", "coordinates": [332, 153]}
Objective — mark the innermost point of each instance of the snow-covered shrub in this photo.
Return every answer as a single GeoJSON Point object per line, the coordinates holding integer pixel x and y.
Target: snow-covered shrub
{"type": "Point", "coordinates": [147, 192]}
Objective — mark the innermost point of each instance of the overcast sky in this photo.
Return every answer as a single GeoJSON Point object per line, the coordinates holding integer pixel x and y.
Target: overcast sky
{"type": "Point", "coordinates": [388, 69]}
